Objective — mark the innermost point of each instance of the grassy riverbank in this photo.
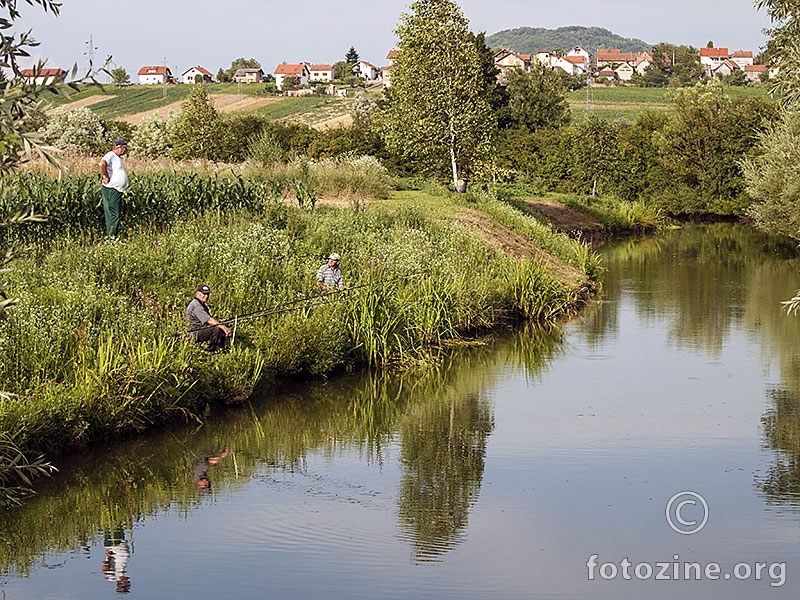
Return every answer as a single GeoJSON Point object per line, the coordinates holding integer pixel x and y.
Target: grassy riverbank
{"type": "Point", "coordinates": [92, 351]}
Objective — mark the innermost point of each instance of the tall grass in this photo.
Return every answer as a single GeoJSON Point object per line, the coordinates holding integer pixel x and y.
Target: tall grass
{"type": "Point", "coordinates": [93, 350]}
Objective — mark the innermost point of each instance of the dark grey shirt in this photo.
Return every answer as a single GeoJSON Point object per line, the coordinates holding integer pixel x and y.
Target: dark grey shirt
{"type": "Point", "coordinates": [197, 315]}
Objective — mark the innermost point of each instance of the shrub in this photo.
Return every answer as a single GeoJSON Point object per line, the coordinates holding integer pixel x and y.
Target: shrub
{"type": "Point", "coordinates": [78, 130]}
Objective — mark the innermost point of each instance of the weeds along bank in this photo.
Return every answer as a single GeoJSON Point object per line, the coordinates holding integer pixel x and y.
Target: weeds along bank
{"type": "Point", "coordinates": [95, 347]}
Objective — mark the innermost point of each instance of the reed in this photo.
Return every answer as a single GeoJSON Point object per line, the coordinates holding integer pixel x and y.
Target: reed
{"type": "Point", "coordinates": [93, 352]}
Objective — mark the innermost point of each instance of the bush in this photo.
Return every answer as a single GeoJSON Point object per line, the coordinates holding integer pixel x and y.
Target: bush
{"type": "Point", "coordinates": [151, 137]}
{"type": "Point", "coordinates": [78, 130]}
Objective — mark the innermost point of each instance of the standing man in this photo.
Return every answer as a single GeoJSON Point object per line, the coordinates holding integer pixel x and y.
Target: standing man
{"type": "Point", "coordinates": [202, 326]}
{"type": "Point", "coordinates": [329, 277]}
{"type": "Point", "coordinates": [115, 182]}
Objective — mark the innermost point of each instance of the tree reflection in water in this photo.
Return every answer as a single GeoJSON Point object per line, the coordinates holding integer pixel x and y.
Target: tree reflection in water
{"type": "Point", "coordinates": [781, 483]}
{"type": "Point", "coordinates": [444, 446]}
{"type": "Point", "coordinates": [441, 416]}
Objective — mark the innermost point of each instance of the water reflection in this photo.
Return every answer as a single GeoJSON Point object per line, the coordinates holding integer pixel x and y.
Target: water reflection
{"type": "Point", "coordinates": [444, 446]}
{"type": "Point", "coordinates": [711, 280]}
{"type": "Point", "coordinates": [116, 559]}
{"type": "Point", "coordinates": [440, 419]}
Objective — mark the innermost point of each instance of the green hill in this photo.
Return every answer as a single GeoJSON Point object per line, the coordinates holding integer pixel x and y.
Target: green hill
{"type": "Point", "coordinates": [529, 40]}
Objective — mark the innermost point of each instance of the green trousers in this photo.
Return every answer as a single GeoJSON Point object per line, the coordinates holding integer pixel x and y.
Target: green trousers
{"type": "Point", "coordinates": [112, 200]}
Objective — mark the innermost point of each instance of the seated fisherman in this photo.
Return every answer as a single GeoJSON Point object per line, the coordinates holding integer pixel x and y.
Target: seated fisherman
{"type": "Point", "coordinates": [329, 277]}
{"type": "Point", "coordinates": [202, 326]}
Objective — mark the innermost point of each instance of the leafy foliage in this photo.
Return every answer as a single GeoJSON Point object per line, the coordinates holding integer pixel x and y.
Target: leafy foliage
{"type": "Point", "coordinates": [119, 76]}
{"type": "Point", "coordinates": [240, 63]}
{"type": "Point", "coordinates": [675, 66]}
{"type": "Point", "coordinates": [151, 137]}
{"type": "Point", "coordinates": [773, 178]}
{"type": "Point", "coordinates": [536, 99]}
{"type": "Point", "coordinates": [784, 46]}
{"type": "Point", "coordinates": [197, 131]}
{"type": "Point", "coordinates": [435, 113]}
{"type": "Point", "coordinates": [76, 130]}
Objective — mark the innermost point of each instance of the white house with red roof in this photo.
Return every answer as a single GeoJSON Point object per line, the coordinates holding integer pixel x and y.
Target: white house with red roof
{"type": "Point", "coordinates": [190, 75]}
{"type": "Point", "coordinates": [298, 70]}
{"type": "Point", "coordinates": [754, 73]}
{"type": "Point", "coordinates": [572, 65]}
{"type": "Point", "coordinates": [154, 75]}
{"type": "Point", "coordinates": [44, 76]}
{"type": "Point", "coordinates": [743, 58]}
{"type": "Point", "coordinates": [320, 73]}
{"type": "Point", "coordinates": [366, 70]}
{"type": "Point", "coordinates": [711, 58]}
{"type": "Point", "coordinates": [507, 59]}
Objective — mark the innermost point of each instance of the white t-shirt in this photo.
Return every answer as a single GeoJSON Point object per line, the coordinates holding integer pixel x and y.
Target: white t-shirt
{"type": "Point", "coordinates": [117, 177]}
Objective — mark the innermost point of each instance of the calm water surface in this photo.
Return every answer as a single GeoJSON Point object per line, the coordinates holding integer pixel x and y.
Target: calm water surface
{"type": "Point", "coordinates": [498, 475]}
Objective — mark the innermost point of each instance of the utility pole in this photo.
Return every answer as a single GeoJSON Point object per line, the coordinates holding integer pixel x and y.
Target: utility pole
{"type": "Point", "coordinates": [164, 81]}
{"type": "Point", "coordinates": [90, 52]}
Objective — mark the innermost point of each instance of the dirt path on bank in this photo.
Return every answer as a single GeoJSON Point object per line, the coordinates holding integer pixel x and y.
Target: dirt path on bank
{"type": "Point", "coordinates": [562, 217]}
{"type": "Point", "coordinates": [510, 242]}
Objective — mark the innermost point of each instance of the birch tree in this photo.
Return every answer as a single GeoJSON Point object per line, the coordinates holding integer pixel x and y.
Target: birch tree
{"type": "Point", "coordinates": [435, 112]}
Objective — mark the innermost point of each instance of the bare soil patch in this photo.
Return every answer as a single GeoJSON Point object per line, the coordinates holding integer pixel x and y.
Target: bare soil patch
{"type": "Point", "coordinates": [334, 122]}
{"type": "Point", "coordinates": [510, 242]}
{"type": "Point", "coordinates": [562, 217]}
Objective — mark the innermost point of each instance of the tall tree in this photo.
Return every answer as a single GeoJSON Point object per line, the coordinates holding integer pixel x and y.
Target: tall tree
{"type": "Point", "coordinates": [435, 112]}
{"type": "Point", "coordinates": [537, 99]}
{"type": "Point", "coordinates": [197, 131]}
{"type": "Point", "coordinates": [352, 56]}
{"type": "Point", "coordinates": [784, 46]}
{"type": "Point", "coordinates": [676, 66]}
{"type": "Point", "coordinates": [119, 76]}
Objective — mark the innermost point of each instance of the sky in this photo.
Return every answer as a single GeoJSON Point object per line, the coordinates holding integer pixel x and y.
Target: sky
{"type": "Point", "coordinates": [186, 33]}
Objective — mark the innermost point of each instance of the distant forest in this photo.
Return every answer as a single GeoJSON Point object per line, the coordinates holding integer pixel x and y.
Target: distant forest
{"type": "Point", "coordinates": [529, 40]}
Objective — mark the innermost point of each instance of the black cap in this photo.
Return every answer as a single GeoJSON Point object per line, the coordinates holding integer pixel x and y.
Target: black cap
{"type": "Point", "coordinates": [204, 289]}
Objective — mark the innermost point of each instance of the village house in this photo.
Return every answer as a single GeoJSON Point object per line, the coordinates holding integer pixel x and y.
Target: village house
{"type": "Point", "coordinates": [607, 72]}
{"type": "Point", "coordinates": [155, 75]}
{"type": "Point", "coordinates": [507, 59]}
{"type": "Point", "coordinates": [625, 71]}
{"type": "Point", "coordinates": [43, 76]}
{"type": "Point", "coordinates": [613, 57]}
{"type": "Point", "coordinates": [366, 70]}
{"type": "Point", "coordinates": [190, 75]}
{"type": "Point", "coordinates": [320, 73]}
{"type": "Point", "coordinates": [545, 57]}
{"type": "Point", "coordinates": [642, 61]}
{"type": "Point", "coordinates": [725, 68]}
{"type": "Point", "coordinates": [711, 58]}
{"type": "Point", "coordinates": [298, 70]}
{"type": "Point", "coordinates": [248, 75]}
{"type": "Point", "coordinates": [625, 63]}
{"type": "Point", "coordinates": [386, 72]}
{"type": "Point", "coordinates": [743, 58]}
{"type": "Point", "coordinates": [575, 64]}
{"type": "Point", "coordinates": [754, 73]}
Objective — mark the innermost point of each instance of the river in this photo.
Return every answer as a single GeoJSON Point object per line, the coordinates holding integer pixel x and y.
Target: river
{"type": "Point", "coordinates": [536, 465]}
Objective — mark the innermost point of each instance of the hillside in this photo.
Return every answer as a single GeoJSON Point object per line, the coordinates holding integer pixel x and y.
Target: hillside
{"type": "Point", "coordinates": [529, 40]}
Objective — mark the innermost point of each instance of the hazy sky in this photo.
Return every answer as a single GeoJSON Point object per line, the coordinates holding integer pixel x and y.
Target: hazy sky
{"type": "Point", "coordinates": [212, 34]}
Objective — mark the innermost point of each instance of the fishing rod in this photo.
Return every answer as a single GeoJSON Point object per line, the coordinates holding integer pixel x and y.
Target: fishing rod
{"type": "Point", "coordinates": [303, 300]}
{"type": "Point", "coordinates": [299, 304]}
